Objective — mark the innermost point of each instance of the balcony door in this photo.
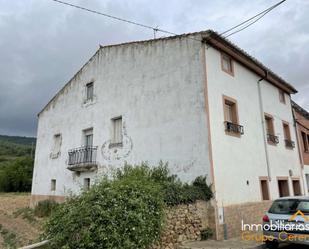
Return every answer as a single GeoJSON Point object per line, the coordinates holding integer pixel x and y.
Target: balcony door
{"type": "Point", "coordinates": [88, 143]}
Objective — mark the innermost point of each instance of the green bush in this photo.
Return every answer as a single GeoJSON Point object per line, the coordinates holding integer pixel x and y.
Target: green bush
{"type": "Point", "coordinates": [174, 191]}
{"type": "Point", "coordinates": [45, 208]}
{"type": "Point", "coordinates": [206, 234]}
{"type": "Point", "coordinates": [122, 213]}
{"type": "Point", "coordinates": [16, 175]}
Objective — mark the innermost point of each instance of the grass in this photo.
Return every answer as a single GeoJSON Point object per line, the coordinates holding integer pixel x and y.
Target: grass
{"type": "Point", "coordinates": [26, 213]}
{"type": "Point", "coordinates": [9, 238]}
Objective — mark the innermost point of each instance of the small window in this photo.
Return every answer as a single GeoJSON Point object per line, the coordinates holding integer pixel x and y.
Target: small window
{"type": "Point", "coordinates": [281, 96]}
{"type": "Point", "coordinates": [283, 186]}
{"type": "Point", "coordinates": [296, 187]}
{"type": "Point", "coordinates": [286, 131]}
{"type": "Point", "coordinates": [53, 185]}
{"type": "Point", "coordinates": [269, 121]}
{"type": "Point", "coordinates": [117, 131]}
{"type": "Point", "coordinates": [89, 91]}
{"type": "Point", "coordinates": [86, 183]}
{"type": "Point", "coordinates": [305, 140]}
{"type": "Point", "coordinates": [230, 110]}
{"type": "Point", "coordinates": [88, 137]}
{"type": "Point", "coordinates": [227, 64]}
{"type": "Point", "coordinates": [57, 145]}
{"type": "Point", "coordinates": [264, 189]}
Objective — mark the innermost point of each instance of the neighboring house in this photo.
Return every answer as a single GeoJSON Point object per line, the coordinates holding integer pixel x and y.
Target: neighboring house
{"type": "Point", "coordinates": [195, 101]}
{"type": "Point", "coordinates": [302, 125]}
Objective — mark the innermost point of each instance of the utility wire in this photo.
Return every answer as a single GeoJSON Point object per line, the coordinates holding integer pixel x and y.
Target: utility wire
{"type": "Point", "coordinates": [259, 15]}
{"type": "Point", "coordinates": [155, 29]}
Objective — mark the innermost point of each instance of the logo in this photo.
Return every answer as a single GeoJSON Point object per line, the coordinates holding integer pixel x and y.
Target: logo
{"type": "Point", "coordinates": [299, 213]}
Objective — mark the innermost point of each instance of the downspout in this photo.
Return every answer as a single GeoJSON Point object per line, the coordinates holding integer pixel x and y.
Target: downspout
{"type": "Point", "coordinates": [263, 124]}
{"type": "Point", "coordinates": [301, 159]}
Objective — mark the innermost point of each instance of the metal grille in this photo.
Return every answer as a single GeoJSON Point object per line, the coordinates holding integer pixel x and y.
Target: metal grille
{"type": "Point", "coordinates": [83, 155]}
{"type": "Point", "coordinates": [235, 128]}
{"type": "Point", "coordinates": [272, 138]}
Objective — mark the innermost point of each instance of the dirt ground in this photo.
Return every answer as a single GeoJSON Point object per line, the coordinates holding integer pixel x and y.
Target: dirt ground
{"type": "Point", "coordinates": [18, 227]}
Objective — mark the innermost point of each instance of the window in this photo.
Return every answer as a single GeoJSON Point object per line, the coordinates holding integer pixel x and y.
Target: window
{"type": "Point", "coordinates": [53, 185]}
{"type": "Point", "coordinates": [270, 131]}
{"type": "Point", "coordinates": [286, 131]}
{"type": "Point", "coordinates": [283, 186]}
{"type": "Point", "coordinates": [89, 91]}
{"type": "Point", "coordinates": [88, 137]}
{"type": "Point", "coordinates": [296, 187]}
{"type": "Point", "coordinates": [86, 183]}
{"type": "Point", "coordinates": [117, 131]}
{"type": "Point", "coordinates": [264, 189]}
{"type": "Point", "coordinates": [305, 141]}
{"type": "Point", "coordinates": [56, 147]}
{"type": "Point", "coordinates": [269, 122]}
{"type": "Point", "coordinates": [281, 96]}
{"type": "Point", "coordinates": [227, 64]}
{"type": "Point", "coordinates": [287, 136]}
{"type": "Point", "coordinates": [231, 120]}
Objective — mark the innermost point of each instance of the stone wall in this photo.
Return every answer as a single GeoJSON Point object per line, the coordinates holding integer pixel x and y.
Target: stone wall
{"type": "Point", "coordinates": [185, 223]}
{"type": "Point", "coordinates": [250, 213]}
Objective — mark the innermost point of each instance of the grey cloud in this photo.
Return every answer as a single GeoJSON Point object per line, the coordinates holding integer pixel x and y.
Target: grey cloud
{"type": "Point", "coordinates": [42, 44]}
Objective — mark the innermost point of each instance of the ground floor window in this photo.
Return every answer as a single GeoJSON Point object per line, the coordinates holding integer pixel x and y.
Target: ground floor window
{"type": "Point", "coordinates": [53, 185]}
{"type": "Point", "coordinates": [86, 183]}
{"type": "Point", "coordinates": [264, 188]}
{"type": "Point", "coordinates": [296, 187]}
{"type": "Point", "coordinates": [283, 186]}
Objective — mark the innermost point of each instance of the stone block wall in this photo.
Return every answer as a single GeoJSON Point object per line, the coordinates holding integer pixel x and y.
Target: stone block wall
{"type": "Point", "coordinates": [185, 223]}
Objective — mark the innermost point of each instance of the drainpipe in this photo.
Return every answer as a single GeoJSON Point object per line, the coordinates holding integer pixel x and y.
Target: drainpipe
{"type": "Point", "coordinates": [263, 124]}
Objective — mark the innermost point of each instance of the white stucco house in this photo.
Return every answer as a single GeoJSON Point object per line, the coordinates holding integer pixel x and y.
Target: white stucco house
{"type": "Point", "coordinates": [195, 101]}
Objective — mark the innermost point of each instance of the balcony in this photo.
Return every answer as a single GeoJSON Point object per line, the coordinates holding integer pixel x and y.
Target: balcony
{"type": "Point", "coordinates": [234, 128]}
{"type": "Point", "coordinates": [83, 159]}
{"type": "Point", "coordinates": [272, 139]}
{"type": "Point", "coordinates": [289, 143]}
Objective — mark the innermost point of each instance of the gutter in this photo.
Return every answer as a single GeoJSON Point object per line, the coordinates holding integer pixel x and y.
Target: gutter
{"type": "Point", "coordinates": [263, 124]}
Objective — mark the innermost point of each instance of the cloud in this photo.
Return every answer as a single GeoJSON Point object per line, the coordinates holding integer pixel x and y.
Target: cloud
{"type": "Point", "coordinates": [42, 43]}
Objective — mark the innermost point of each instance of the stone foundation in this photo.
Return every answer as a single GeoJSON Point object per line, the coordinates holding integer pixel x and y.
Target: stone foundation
{"type": "Point", "coordinates": [37, 198]}
{"type": "Point", "coordinates": [251, 213]}
{"type": "Point", "coordinates": [185, 223]}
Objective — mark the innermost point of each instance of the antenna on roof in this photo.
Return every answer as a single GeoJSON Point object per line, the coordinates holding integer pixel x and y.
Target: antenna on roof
{"type": "Point", "coordinates": [155, 30]}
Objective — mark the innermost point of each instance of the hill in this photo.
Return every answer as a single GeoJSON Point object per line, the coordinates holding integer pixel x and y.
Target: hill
{"type": "Point", "coordinates": [12, 147]}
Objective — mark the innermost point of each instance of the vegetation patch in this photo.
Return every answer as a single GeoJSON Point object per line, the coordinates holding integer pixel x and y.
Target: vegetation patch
{"type": "Point", "coordinates": [124, 212]}
{"type": "Point", "coordinates": [45, 208]}
{"type": "Point", "coordinates": [16, 175]}
{"type": "Point", "coordinates": [9, 238]}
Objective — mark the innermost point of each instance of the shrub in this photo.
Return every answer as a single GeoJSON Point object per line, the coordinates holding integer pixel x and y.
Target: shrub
{"type": "Point", "coordinates": [45, 208]}
{"type": "Point", "coordinates": [174, 191]}
{"type": "Point", "coordinates": [122, 213]}
{"type": "Point", "coordinates": [206, 234]}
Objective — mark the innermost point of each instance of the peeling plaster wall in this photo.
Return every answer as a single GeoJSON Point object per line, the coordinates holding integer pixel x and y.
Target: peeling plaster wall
{"type": "Point", "coordinates": [158, 89]}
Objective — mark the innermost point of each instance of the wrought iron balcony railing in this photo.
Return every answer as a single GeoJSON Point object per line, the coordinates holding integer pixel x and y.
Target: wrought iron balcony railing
{"type": "Point", "coordinates": [235, 128]}
{"type": "Point", "coordinates": [83, 159]}
{"type": "Point", "coordinates": [289, 143]}
{"type": "Point", "coordinates": [272, 139]}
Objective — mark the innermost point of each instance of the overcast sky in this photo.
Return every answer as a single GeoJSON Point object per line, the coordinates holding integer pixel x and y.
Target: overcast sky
{"type": "Point", "coordinates": [43, 44]}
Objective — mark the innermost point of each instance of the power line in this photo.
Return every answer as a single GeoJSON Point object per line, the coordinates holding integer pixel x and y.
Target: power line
{"type": "Point", "coordinates": [258, 16]}
{"type": "Point", "coordinates": [154, 29]}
